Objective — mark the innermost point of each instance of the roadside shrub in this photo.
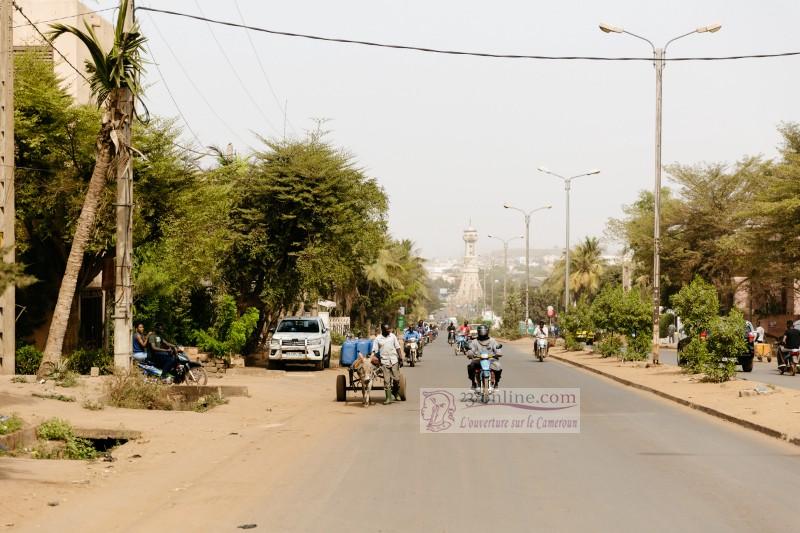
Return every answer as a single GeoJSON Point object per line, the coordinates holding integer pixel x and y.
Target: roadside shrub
{"type": "Point", "coordinates": [10, 424]}
{"type": "Point", "coordinates": [337, 338]}
{"type": "Point", "coordinates": [725, 340]}
{"type": "Point", "coordinates": [27, 359]}
{"type": "Point", "coordinates": [639, 347]}
{"type": "Point", "coordinates": [697, 304]}
{"type": "Point", "coordinates": [229, 332]}
{"type": "Point", "coordinates": [82, 361]}
{"type": "Point", "coordinates": [571, 344]}
{"type": "Point", "coordinates": [578, 318]}
{"type": "Point", "coordinates": [131, 390]}
{"type": "Point", "coordinates": [56, 429]}
{"type": "Point", "coordinates": [610, 345]}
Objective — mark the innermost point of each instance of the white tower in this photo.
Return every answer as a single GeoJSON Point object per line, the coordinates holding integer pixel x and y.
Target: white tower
{"type": "Point", "coordinates": [470, 291]}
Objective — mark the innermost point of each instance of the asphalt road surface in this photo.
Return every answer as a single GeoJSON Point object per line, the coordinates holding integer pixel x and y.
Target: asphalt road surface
{"type": "Point", "coordinates": [763, 371]}
{"type": "Point", "coordinates": [639, 464]}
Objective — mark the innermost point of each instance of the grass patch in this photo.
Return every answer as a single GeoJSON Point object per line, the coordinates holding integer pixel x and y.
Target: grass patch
{"type": "Point", "coordinates": [209, 402]}
{"type": "Point", "coordinates": [131, 390]}
{"type": "Point", "coordinates": [92, 405]}
{"type": "Point", "coordinates": [19, 379]}
{"type": "Point", "coordinates": [10, 424]}
{"type": "Point", "coordinates": [67, 379]}
{"type": "Point", "coordinates": [53, 396]}
{"type": "Point", "coordinates": [58, 441]}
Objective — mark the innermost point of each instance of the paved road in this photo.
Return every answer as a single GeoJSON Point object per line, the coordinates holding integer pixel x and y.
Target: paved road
{"type": "Point", "coordinates": [762, 371]}
{"type": "Point", "coordinates": [639, 464]}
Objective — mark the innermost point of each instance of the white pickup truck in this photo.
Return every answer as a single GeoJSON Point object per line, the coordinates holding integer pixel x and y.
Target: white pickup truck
{"type": "Point", "coordinates": [300, 340]}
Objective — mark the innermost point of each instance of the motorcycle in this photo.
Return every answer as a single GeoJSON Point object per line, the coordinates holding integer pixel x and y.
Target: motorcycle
{"type": "Point", "coordinates": [540, 348]}
{"type": "Point", "coordinates": [788, 359]}
{"type": "Point", "coordinates": [451, 337]}
{"type": "Point", "coordinates": [411, 352]}
{"type": "Point", "coordinates": [186, 371]}
{"type": "Point", "coordinates": [486, 378]}
{"type": "Point", "coordinates": [461, 346]}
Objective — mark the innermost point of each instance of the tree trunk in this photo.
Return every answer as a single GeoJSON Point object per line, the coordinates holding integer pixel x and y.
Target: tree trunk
{"type": "Point", "coordinates": [83, 229]}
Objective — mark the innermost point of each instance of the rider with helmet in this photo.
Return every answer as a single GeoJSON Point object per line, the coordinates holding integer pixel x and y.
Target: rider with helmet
{"type": "Point", "coordinates": [486, 344]}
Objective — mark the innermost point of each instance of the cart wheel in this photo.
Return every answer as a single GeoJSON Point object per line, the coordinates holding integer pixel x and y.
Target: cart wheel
{"type": "Point", "coordinates": [402, 387]}
{"type": "Point", "coordinates": [411, 362]}
{"type": "Point", "coordinates": [769, 359]}
{"type": "Point", "coordinates": [341, 392]}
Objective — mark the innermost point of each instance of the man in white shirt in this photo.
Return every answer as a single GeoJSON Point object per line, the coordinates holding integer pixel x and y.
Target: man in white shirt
{"type": "Point", "coordinates": [760, 333]}
{"type": "Point", "coordinates": [387, 348]}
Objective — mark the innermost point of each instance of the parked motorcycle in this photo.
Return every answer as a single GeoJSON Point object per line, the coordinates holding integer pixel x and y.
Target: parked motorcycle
{"type": "Point", "coordinates": [186, 371]}
{"type": "Point", "coordinates": [540, 348]}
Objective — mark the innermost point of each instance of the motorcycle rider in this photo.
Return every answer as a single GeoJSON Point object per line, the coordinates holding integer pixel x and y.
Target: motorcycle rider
{"type": "Point", "coordinates": [451, 333]}
{"type": "Point", "coordinates": [387, 348]}
{"type": "Point", "coordinates": [411, 335]}
{"type": "Point", "coordinates": [483, 343]}
{"type": "Point", "coordinates": [540, 332]}
{"type": "Point", "coordinates": [464, 329]}
{"type": "Point", "coordinates": [789, 341]}
{"type": "Point", "coordinates": [139, 343]}
{"type": "Point", "coordinates": [422, 332]}
{"type": "Point", "coordinates": [161, 353]}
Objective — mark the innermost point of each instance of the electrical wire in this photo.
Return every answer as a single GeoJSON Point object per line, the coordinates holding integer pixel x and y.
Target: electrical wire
{"type": "Point", "coordinates": [236, 73]}
{"type": "Point", "coordinates": [263, 70]}
{"type": "Point", "coordinates": [457, 52]}
{"type": "Point", "coordinates": [50, 44]}
{"type": "Point", "coordinates": [64, 18]}
{"type": "Point", "coordinates": [172, 97]}
{"type": "Point", "coordinates": [192, 83]}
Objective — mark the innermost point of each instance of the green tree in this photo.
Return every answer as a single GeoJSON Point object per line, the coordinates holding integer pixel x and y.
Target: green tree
{"type": "Point", "coordinates": [696, 304]}
{"type": "Point", "coordinates": [513, 312]}
{"type": "Point", "coordinates": [113, 76]}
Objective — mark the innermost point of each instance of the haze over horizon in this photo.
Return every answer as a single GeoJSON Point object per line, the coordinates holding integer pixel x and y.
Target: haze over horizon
{"type": "Point", "coordinates": [453, 138]}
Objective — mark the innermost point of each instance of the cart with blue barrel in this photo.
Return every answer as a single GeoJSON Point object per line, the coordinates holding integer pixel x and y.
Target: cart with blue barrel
{"type": "Point", "coordinates": [352, 381]}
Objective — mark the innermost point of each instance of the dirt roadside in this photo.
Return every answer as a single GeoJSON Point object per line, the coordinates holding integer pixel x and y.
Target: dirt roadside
{"type": "Point", "coordinates": [178, 454]}
{"type": "Point", "coordinates": [776, 412]}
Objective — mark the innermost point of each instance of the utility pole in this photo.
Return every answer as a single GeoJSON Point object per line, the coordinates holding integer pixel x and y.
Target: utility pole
{"type": "Point", "coordinates": [527, 217]}
{"type": "Point", "coordinates": [505, 261]}
{"type": "Point", "coordinates": [123, 297]}
{"type": "Point", "coordinates": [7, 211]}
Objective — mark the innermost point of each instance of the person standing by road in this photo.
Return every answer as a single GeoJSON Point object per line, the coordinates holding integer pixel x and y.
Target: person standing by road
{"type": "Point", "coordinates": [760, 333]}
{"type": "Point", "coordinates": [671, 333]}
{"type": "Point", "coordinates": [387, 348]}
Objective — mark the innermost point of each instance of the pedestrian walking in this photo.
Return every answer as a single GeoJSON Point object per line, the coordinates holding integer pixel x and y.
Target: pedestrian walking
{"type": "Point", "coordinates": [387, 348]}
{"type": "Point", "coordinates": [671, 333]}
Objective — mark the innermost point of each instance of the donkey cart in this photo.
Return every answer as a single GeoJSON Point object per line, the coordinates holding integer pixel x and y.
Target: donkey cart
{"type": "Point", "coordinates": [361, 380]}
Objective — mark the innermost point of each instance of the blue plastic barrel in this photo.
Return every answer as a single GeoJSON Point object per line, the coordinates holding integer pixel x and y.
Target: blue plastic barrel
{"type": "Point", "coordinates": [348, 355]}
{"type": "Point", "coordinates": [364, 347]}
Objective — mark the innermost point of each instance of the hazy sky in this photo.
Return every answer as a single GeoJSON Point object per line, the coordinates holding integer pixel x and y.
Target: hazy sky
{"type": "Point", "coordinates": [452, 138]}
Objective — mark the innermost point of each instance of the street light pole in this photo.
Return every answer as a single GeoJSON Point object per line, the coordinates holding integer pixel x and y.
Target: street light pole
{"type": "Point", "coordinates": [505, 261]}
{"type": "Point", "coordinates": [527, 216]}
{"type": "Point", "coordinates": [659, 55]}
{"type": "Point", "coordinates": [567, 187]}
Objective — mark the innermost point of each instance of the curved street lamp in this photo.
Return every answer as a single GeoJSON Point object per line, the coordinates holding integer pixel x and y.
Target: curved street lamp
{"type": "Point", "coordinates": [527, 215]}
{"type": "Point", "coordinates": [567, 186]}
{"type": "Point", "coordinates": [505, 260]}
{"type": "Point", "coordinates": [658, 62]}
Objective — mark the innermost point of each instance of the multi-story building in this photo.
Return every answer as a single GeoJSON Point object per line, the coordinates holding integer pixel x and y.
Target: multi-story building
{"type": "Point", "coordinates": [45, 12]}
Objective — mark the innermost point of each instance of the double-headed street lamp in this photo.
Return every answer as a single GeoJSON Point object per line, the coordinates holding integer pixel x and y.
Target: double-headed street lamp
{"type": "Point", "coordinates": [658, 62]}
{"type": "Point", "coordinates": [505, 260]}
{"type": "Point", "coordinates": [527, 215]}
{"type": "Point", "coordinates": [567, 187]}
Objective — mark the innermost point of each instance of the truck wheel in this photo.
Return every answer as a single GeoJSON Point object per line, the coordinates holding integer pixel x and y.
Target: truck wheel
{"type": "Point", "coordinates": [274, 365]}
{"type": "Point", "coordinates": [747, 365]}
{"type": "Point", "coordinates": [327, 359]}
{"type": "Point", "coordinates": [402, 387]}
{"type": "Point", "coordinates": [341, 388]}
{"type": "Point", "coordinates": [320, 365]}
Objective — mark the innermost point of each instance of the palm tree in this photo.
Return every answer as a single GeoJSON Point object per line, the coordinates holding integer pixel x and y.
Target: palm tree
{"type": "Point", "coordinates": [113, 77]}
{"type": "Point", "coordinates": [587, 267]}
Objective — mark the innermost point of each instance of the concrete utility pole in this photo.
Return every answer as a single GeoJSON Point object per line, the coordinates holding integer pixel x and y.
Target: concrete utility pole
{"type": "Point", "coordinates": [123, 297]}
{"type": "Point", "coordinates": [7, 211]}
{"type": "Point", "coordinates": [659, 54]}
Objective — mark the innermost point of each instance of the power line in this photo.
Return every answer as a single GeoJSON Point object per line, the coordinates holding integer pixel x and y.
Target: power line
{"type": "Point", "coordinates": [65, 18]}
{"type": "Point", "coordinates": [459, 52]}
{"type": "Point", "coordinates": [172, 97]}
{"type": "Point", "coordinates": [50, 44]}
{"type": "Point", "coordinates": [263, 70]}
{"type": "Point", "coordinates": [192, 83]}
{"type": "Point", "coordinates": [236, 73]}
